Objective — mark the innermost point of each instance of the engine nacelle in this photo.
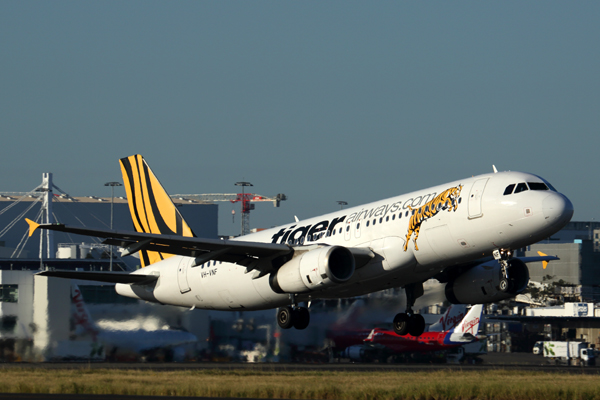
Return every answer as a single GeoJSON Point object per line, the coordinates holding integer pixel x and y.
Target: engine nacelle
{"type": "Point", "coordinates": [481, 284]}
{"type": "Point", "coordinates": [357, 353]}
{"type": "Point", "coordinates": [314, 270]}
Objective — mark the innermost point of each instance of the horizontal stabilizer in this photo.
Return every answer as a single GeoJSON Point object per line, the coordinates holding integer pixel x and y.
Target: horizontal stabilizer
{"type": "Point", "coordinates": [110, 277]}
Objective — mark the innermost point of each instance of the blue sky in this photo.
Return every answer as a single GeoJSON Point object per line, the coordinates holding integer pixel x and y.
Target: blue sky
{"type": "Point", "coordinates": [322, 101]}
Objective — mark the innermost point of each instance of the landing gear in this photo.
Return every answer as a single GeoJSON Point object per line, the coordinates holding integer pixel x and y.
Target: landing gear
{"type": "Point", "coordinates": [293, 315]}
{"type": "Point", "coordinates": [503, 256]}
{"type": "Point", "coordinates": [285, 317]}
{"type": "Point", "coordinates": [408, 322]}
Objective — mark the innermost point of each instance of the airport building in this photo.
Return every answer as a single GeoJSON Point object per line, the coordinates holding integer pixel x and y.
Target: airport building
{"type": "Point", "coordinates": [35, 319]}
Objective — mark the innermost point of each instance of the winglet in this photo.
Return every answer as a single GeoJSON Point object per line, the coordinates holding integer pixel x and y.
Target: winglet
{"type": "Point", "coordinates": [32, 226]}
{"type": "Point", "coordinates": [544, 263]}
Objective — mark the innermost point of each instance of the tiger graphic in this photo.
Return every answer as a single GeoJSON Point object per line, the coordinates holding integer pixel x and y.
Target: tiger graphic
{"type": "Point", "coordinates": [447, 200]}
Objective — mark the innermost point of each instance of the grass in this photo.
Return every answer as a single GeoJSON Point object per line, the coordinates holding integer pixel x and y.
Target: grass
{"type": "Point", "coordinates": [343, 385]}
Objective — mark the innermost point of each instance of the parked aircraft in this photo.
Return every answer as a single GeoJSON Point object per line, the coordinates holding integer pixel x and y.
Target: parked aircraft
{"type": "Point", "coordinates": [348, 336]}
{"type": "Point", "coordinates": [462, 233]}
{"type": "Point", "coordinates": [381, 343]}
{"type": "Point", "coordinates": [118, 341]}
{"type": "Point", "coordinates": [465, 332]}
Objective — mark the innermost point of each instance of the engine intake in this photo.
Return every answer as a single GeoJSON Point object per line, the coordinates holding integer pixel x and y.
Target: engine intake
{"type": "Point", "coordinates": [482, 283]}
{"type": "Point", "coordinates": [314, 270]}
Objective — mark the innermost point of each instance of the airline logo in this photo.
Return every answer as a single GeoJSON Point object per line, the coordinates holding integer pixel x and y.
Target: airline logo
{"type": "Point", "coordinates": [81, 315]}
{"type": "Point", "coordinates": [449, 321]}
{"type": "Point", "coordinates": [471, 326]}
{"type": "Point", "coordinates": [447, 200]}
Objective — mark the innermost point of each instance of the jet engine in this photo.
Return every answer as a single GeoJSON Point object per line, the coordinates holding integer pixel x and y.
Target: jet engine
{"type": "Point", "coordinates": [485, 283]}
{"type": "Point", "coordinates": [314, 270]}
{"type": "Point", "coordinates": [357, 353]}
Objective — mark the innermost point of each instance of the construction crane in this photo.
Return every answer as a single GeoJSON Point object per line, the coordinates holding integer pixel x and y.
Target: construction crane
{"type": "Point", "coordinates": [247, 200]}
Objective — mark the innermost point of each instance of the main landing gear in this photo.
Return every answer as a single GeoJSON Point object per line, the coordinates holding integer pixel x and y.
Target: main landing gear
{"type": "Point", "coordinates": [409, 323]}
{"type": "Point", "coordinates": [503, 256]}
{"type": "Point", "coordinates": [293, 316]}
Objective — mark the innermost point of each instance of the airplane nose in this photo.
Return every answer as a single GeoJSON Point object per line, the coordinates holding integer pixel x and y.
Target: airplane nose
{"type": "Point", "coordinates": [557, 209]}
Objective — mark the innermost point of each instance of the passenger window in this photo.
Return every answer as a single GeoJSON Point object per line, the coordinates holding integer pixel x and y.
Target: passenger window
{"type": "Point", "coordinates": [537, 186]}
{"type": "Point", "coordinates": [521, 187]}
{"type": "Point", "coordinates": [340, 230]}
{"type": "Point", "coordinates": [367, 223]}
{"type": "Point", "coordinates": [509, 189]}
{"type": "Point", "coordinates": [387, 219]}
{"type": "Point", "coordinates": [393, 217]}
{"type": "Point", "coordinates": [374, 221]}
{"type": "Point", "coordinates": [380, 220]}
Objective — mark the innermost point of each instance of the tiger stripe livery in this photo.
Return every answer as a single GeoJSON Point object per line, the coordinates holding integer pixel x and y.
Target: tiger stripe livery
{"type": "Point", "coordinates": [152, 210]}
{"type": "Point", "coordinates": [447, 200]}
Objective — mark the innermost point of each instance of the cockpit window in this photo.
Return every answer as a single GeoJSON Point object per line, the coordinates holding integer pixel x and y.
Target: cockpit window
{"type": "Point", "coordinates": [509, 189]}
{"type": "Point", "coordinates": [537, 186]}
{"type": "Point", "coordinates": [550, 186]}
{"type": "Point", "coordinates": [521, 187]}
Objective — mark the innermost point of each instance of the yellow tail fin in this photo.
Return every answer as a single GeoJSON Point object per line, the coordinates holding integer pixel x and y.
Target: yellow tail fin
{"type": "Point", "coordinates": [544, 263]}
{"type": "Point", "coordinates": [152, 210]}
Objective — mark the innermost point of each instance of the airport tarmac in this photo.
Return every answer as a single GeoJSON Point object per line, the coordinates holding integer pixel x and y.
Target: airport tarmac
{"type": "Point", "coordinates": [518, 361]}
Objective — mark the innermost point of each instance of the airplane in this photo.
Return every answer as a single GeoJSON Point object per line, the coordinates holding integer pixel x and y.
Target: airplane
{"type": "Point", "coordinates": [385, 342]}
{"type": "Point", "coordinates": [348, 336]}
{"type": "Point", "coordinates": [463, 234]}
{"type": "Point", "coordinates": [463, 333]}
{"type": "Point", "coordinates": [124, 341]}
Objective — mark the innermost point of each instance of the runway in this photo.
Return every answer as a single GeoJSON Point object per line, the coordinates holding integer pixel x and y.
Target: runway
{"type": "Point", "coordinates": [491, 361]}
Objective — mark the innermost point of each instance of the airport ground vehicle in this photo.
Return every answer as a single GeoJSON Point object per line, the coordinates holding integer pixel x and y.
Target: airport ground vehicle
{"type": "Point", "coordinates": [571, 353]}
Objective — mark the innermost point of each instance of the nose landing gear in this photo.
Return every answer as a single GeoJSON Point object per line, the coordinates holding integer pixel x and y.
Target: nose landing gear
{"type": "Point", "coordinates": [409, 322]}
{"type": "Point", "coordinates": [503, 256]}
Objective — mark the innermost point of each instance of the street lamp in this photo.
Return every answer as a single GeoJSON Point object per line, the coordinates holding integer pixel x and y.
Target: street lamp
{"type": "Point", "coordinates": [112, 202]}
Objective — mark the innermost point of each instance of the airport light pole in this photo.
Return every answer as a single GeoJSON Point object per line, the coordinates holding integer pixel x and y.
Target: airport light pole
{"type": "Point", "coordinates": [112, 203]}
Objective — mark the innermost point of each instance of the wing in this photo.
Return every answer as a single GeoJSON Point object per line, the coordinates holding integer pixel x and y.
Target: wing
{"type": "Point", "coordinates": [254, 255]}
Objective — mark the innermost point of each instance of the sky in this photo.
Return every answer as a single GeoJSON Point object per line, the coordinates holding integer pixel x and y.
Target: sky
{"type": "Point", "coordinates": [322, 101]}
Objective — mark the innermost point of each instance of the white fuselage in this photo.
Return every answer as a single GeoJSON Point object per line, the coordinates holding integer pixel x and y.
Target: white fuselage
{"type": "Point", "coordinates": [482, 219]}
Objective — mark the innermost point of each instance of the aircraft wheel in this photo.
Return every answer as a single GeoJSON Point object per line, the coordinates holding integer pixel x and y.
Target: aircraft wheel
{"type": "Point", "coordinates": [285, 317]}
{"type": "Point", "coordinates": [417, 325]}
{"type": "Point", "coordinates": [301, 318]}
{"type": "Point", "coordinates": [401, 324]}
{"type": "Point", "coordinates": [504, 285]}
